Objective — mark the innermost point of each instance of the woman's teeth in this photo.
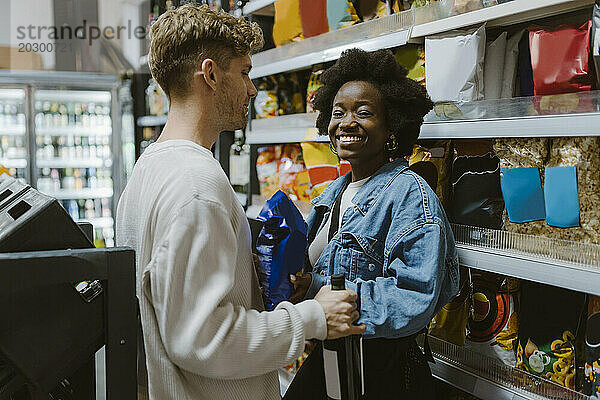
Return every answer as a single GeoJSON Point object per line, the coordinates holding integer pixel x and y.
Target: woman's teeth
{"type": "Point", "coordinates": [350, 139]}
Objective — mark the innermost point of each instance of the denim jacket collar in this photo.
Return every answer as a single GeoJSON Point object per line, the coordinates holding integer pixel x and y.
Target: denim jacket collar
{"type": "Point", "coordinates": [368, 193]}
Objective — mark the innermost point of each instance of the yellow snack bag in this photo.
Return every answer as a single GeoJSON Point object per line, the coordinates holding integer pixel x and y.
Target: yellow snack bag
{"type": "Point", "coordinates": [287, 27]}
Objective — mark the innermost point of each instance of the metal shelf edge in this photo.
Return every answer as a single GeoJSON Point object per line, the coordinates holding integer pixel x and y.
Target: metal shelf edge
{"type": "Point", "coordinates": [473, 384]}
{"type": "Point", "coordinates": [549, 272]}
{"type": "Point", "coordinates": [259, 7]}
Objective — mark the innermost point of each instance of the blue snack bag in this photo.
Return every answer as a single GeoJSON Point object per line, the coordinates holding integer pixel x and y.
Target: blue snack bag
{"type": "Point", "coordinates": [281, 246]}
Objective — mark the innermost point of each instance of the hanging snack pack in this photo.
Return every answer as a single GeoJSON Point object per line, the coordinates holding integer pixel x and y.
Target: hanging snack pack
{"type": "Point", "coordinates": [265, 103]}
{"type": "Point", "coordinates": [439, 153]}
{"type": "Point", "coordinates": [341, 14]}
{"type": "Point", "coordinates": [281, 245]}
{"type": "Point", "coordinates": [266, 169]}
{"type": "Point", "coordinates": [493, 322]}
{"type": "Point", "coordinates": [287, 27]}
{"type": "Point", "coordinates": [549, 317]}
{"type": "Point", "coordinates": [293, 176]}
{"type": "Point", "coordinates": [322, 166]}
{"type": "Point", "coordinates": [314, 17]}
{"type": "Point", "coordinates": [559, 59]}
{"type": "Point", "coordinates": [454, 64]}
{"type": "Point", "coordinates": [450, 323]}
{"type": "Point", "coordinates": [476, 195]}
{"type": "Point", "coordinates": [412, 57]}
{"type": "Point", "coordinates": [314, 84]}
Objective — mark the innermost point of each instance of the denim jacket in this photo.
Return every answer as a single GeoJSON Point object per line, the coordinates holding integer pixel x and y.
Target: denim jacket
{"type": "Point", "coordinates": [395, 247]}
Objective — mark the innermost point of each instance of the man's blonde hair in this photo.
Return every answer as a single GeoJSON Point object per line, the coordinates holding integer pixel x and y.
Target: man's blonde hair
{"type": "Point", "coordinates": [184, 37]}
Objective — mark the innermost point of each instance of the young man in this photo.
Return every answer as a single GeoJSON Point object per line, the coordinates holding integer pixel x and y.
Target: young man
{"type": "Point", "coordinates": [205, 334]}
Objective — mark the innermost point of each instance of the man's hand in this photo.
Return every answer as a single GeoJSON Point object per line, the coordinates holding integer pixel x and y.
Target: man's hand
{"type": "Point", "coordinates": [340, 312]}
{"type": "Point", "coordinates": [301, 285]}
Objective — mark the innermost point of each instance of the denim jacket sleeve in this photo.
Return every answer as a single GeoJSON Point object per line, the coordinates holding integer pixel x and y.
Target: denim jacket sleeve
{"type": "Point", "coordinates": [403, 301]}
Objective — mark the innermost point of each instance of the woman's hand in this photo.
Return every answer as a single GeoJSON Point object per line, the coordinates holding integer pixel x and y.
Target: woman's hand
{"type": "Point", "coordinates": [301, 285]}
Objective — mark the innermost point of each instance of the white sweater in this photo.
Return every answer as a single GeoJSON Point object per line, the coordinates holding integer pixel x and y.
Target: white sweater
{"type": "Point", "coordinates": [206, 335]}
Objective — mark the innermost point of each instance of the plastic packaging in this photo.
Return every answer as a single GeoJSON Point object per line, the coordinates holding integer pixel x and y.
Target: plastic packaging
{"type": "Point", "coordinates": [595, 41]}
{"type": "Point", "coordinates": [266, 169]}
{"type": "Point", "coordinates": [322, 166]}
{"type": "Point", "coordinates": [511, 60]}
{"type": "Point", "coordinates": [559, 59]}
{"type": "Point", "coordinates": [549, 318]}
{"type": "Point", "coordinates": [341, 14]}
{"type": "Point", "coordinates": [287, 27]}
{"type": "Point", "coordinates": [494, 67]}
{"type": "Point", "coordinates": [314, 17]}
{"type": "Point", "coordinates": [454, 65]}
{"type": "Point", "coordinates": [494, 322]}
{"type": "Point", "coordinates": [281, 246]}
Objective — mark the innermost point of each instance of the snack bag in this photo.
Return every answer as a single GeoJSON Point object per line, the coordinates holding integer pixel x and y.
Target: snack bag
{"type": "Point", "coordinates": [440, 155]}
{"type": "Point", "coordinates": [559, 59]}
{"type": "Point", "coordinates": [493, 321]}
{"type": "Point", "coordinates": [314, 17]}
{"type": "Point", "coordinates": [341, 14]}
{"type": "Point", "coordinates": [549, 318]}
{"type": "Point", "coordinates": [289, 166]}
{"type": "Point", "coordinates": [266, 169]}
{"type": "Point", "coordinates": [281, 246]}
{"type": "Point", "coordinates": [450, 323]}
{"type": "Point", "coordinates": [287, 27]}
{"type": "Point", "coordinates": [322, 166]}
{"type": "Point", "coordinates": [265, 103]}
{"type": "Point", "coordinates": [314, 84]}
{"type": "Point", "coordinates": [412, 57]}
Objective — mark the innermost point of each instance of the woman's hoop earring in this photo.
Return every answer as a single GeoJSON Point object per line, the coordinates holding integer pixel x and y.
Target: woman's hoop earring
{"type": "Point", "coordinates": [332, 149]}
{"type": "Point", "coordinates": [392, 144]}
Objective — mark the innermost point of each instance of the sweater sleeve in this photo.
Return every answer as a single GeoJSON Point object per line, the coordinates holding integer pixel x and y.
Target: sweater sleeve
{"type": "Point", "coordinates": [187, 283]}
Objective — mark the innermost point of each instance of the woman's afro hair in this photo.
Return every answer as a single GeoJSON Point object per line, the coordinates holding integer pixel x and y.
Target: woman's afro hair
{"type": "Point", "coordinates": [406, 102]}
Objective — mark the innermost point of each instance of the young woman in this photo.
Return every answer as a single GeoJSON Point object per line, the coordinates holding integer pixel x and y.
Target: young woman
{"type": "Point", "coordinates": [381, 225]}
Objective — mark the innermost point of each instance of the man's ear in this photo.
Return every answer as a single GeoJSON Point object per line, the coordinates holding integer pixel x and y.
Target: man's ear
{"type": "Point", "coordinates": [209, 73]}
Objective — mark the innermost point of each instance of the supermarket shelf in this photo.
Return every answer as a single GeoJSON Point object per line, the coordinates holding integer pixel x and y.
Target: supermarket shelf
{"type": "Point", "coordinates": [397, 29]}
{"type": "Point", "coordinates": [259, 7]}
{"type": "Point", "coordinates": [552, 272]}
{"type": "Point", "coordinates": [13, 130]}
{"type": "Point", "coordinates": [70, 163]}
{"type": "Point", "coordinates": [152, 120]}
{"type": "Point", "coordinates": [70, 194]}
{"type": "Point", "coordinates": [301, 128]}
{"type": "Point", "coordinates": [74, 131]}
{"type": "Point", "coordinates": [13, 162]}
{"type": "Point", "coordinates": [12, 94]}
{"type": "Point", "coordinates": [471, 383]}
{"type": "Point", "coordinates": [585, 124]}
{"type": "Point", "coordinates": [512, 12]}
{"type": "Point", "coordinates": [285, 129]}
{"type": "Point", "coordinates": [102, 97]}
{"type": "Point", "coordinates": [489, 378]}
{"type": "Point", "coordinates": [382, 33]}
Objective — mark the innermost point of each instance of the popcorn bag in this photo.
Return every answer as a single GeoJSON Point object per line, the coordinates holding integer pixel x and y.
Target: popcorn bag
{"type": "Point", "coordinates": [281, 245]}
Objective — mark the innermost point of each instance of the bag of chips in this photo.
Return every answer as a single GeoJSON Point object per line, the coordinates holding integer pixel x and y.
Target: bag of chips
{"type": "Point", "coordinates": [280, 247]}
{"type": "Point", "coordinates": [440, 155]}
{"type": "Point", "coordinates": [265, 103]}
{"type": "Point", "coordinates": [322, 165]}
{"type": "Point", "coordinates": [289, 166]}
{"type": "Point", "coordinates": [493, 321]}
{"type": "Point", "coordinates": [341, 14]}
{"type": "Point", "coordinates": [266, 169]}
{"type": "Point", "coordinates": [314, 17]}
{"type": "Point", "coordinates": [287, 27]}
{"type": "Point", "coordinates": [314, 84]}
{"type": "Point", "coordinates": [559, 59]}
{"type": "Point", "coordinates": [549, 318]}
